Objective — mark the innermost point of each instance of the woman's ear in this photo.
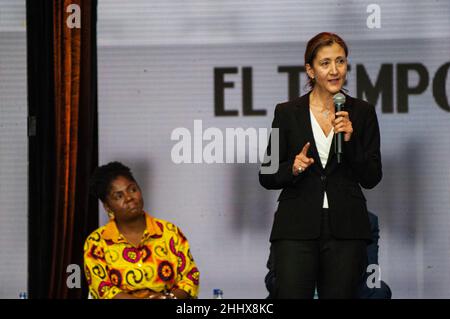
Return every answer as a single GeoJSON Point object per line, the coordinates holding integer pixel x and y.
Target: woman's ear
{"type": "Point", "coordinates": [309, 71]}
{"type": "Point", "coordinates": [108, 211]}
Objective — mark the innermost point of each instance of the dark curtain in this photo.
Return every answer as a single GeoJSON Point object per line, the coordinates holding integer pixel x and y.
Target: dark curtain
{"type": "Point", "coordinates": [63, 150]}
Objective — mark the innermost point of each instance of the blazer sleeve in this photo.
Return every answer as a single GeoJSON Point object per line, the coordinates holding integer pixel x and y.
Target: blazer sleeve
{"type": "Point", "coordinates": [283, 177]}
{"type": "Point", "coordinates": [363, 152]}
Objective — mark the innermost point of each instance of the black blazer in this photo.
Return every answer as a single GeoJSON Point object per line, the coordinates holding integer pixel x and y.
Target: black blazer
{"type": "Point", "coordinates": [300, 203]}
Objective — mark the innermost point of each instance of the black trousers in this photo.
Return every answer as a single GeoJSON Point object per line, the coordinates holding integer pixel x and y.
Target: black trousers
{"type": "Point", "coordinates": [334, 266]}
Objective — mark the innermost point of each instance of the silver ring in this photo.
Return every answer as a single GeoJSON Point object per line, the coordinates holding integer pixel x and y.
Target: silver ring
{"type": "Point", "coordinates": [300, 169]}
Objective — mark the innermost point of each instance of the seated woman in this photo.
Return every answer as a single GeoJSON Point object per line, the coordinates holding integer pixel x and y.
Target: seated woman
{"type": "Point", "coordinates": [135, 255]}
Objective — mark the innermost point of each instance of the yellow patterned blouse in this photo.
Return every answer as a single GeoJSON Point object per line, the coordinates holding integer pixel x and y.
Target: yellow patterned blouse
{"type": "Point", "coordinates": [162, 261]}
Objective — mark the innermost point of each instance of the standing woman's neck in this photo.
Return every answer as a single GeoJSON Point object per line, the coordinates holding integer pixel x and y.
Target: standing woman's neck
{"type": "Point", "coordinates": [322, 97]}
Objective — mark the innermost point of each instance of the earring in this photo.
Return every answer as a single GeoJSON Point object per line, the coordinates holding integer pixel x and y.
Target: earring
{"type": "Point", "coordinates": [110, 214]}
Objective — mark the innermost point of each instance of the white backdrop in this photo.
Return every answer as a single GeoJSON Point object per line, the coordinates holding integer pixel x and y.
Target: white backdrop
{"type": "Point", "coordinates": [156, 74]}
{"type": "Point", "coordinates": [13, 150]}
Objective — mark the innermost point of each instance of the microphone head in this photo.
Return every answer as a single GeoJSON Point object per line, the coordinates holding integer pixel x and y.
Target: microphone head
{"type": "Point", "coordinates": [339, 99]}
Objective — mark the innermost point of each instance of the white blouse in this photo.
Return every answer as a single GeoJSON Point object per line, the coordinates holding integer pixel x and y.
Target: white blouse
{"type": "Point", "coordinates": [323, 144]}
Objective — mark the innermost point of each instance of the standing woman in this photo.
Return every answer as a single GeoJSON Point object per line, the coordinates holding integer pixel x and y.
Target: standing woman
{"type": "Point", "coordinates": [135, 255]}
{"type": "Point", "coordinates": [321, 226]}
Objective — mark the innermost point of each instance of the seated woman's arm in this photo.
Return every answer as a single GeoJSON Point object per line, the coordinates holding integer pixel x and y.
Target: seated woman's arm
{"type": "Point", "coordinates": [100, 284]}
{"type": "Point", "coordinates": [187, 286]}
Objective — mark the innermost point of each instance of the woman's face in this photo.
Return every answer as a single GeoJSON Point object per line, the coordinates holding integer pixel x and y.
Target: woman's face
{"type": "Point", "coordinates": [124, 199]}
{"type": "Point", "coordinates": [329, 68]}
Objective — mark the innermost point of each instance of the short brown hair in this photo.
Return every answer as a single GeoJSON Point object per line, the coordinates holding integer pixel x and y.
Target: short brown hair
{"type": "Point", "coordinates": [314, 44]}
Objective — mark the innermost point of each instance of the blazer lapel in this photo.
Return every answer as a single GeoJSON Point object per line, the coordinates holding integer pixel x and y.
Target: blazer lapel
{"type": "Point", "coordinates": [331, 154]}
{"type": "Point", "coordinates": [304, 121]}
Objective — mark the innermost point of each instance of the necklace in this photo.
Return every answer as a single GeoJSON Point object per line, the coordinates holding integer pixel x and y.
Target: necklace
{"type": "Point", "coordinates": [325, 111]}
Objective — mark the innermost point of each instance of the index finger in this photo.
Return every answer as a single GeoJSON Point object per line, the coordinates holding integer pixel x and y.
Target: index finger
{"type": "Point", "coordinates": [305, 148]}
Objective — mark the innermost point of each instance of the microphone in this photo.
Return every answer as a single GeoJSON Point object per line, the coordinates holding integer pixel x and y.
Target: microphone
{"type": "Point", "coordinates": [339, 100]}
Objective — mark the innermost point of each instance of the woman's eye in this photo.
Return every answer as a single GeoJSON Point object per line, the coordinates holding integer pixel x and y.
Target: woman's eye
{"type": "Point", "coordinates": [119, 196]}
{"type": "Point", "coordinates": [325, 63]}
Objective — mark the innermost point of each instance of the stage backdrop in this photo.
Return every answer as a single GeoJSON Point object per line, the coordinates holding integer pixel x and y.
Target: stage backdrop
{"type": "Point", "coordinates": [13, 150]}
{"type": "Point", "coordinates": [165, 64]}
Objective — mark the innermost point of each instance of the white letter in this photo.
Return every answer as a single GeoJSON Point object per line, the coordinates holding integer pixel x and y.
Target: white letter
{"type": "Point", "coordinates": [73, 20]}
{"type": "Point", "coordinates": [184, 145]}
{"type": "Point", "coordinates": [73, 280]}
{"type": "Point", "coordinates": [274, 157]}
{"type": "Point", "coordinates": [241, 135]}
{"type": "Point", "coordinates": [373, 280]}
{"type": "Point", "coordinates": [198, 141]}
{"type": "Point", "coordinates": [262, 143]}
{"type": "Point", "coordinates": [374, 20]}
{"type": "Point", "coordinates": [216, 145]}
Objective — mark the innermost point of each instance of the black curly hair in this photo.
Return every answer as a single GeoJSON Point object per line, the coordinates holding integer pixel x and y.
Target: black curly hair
{"type": "Point", "coordinates": [100, 181]}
